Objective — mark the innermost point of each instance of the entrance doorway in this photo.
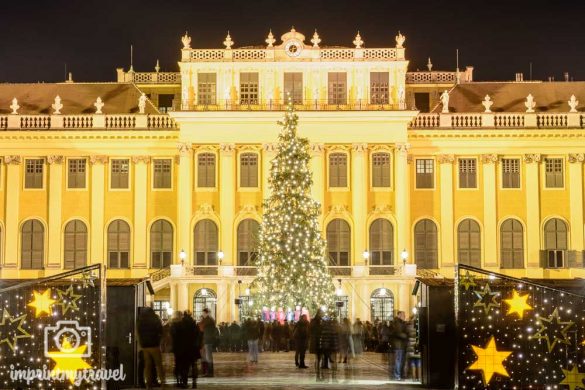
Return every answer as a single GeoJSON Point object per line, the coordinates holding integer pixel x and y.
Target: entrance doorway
{"type": "Point", "coordinates": [382, 305]}
{"type": "Point", "coordinates": [204, 298]}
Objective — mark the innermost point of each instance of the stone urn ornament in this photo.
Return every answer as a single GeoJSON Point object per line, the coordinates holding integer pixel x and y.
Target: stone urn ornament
{"type": "Point", "coordinates": [14, 106]}
{"type": "Point", "coordinates": [57, 105]}
{"type": "Point", "coordinates": [573, 103]}
{"type": "Point", "coordinates": [487, 103]}
{"type": "Point", "coordinates": [530, 103]}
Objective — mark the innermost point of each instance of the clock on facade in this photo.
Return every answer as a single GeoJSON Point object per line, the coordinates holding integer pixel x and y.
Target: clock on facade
{"type": "Point", "coordinates": [293, 48]}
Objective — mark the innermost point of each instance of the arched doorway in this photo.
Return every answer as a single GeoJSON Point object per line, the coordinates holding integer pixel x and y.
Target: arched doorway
{"type": "Point", "coordinates": [204, 298]}
{"type": "Point", "coordinates": [382, 305]}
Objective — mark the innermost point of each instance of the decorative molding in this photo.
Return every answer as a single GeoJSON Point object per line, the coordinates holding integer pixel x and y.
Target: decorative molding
{"type": "Point", "coordinates": [205, 148]}
{"type": "Point", "coordinates": [402, 147]}
{"type": "Point", "coordinates": [576, 157]}
{"type": "Point", "coordinates": [15, 160]}
{"type": "Point", "coordinates": [54, 159]}
{"type": "Point", "coordinates": [531, 158]}
{"type": "Point", "coordinates": [446, 158]}
{"type": "Point", "coordinates": [409, 158]}
{"type": "Point", "coordinates": [177, 158]}
{"type": "Point", "coordinates": [317, 148]}
{"type": "Point", "coordinates": [270, 147]}
{"type": "Point", "coordinates": [249, 148]}
{"type": "Point", "coordinates": [489, 158]}
{"type": "Point", "coordinates": [141, 159]}
{"type": "Point", "coordinates": [337, 148]}
{"type": "Point", "coordinates": [184, 148]}
{"type": "Point", "coordinates": [206, 208]}
{"type": "Point", "coordinates": [359, 147]}
{"type": "Point", "coordinates": [248, 209]}
{"type": "Point", "coordinates": [228, 148]}
{"type": "Point", "coordinates": [379, 148]}
{"type": "Point", "coordinates": [338, 209]}
{"type": "Point", "coordinates": [381, 209]}
{"type": "Point", "coordinates": [98, 159]}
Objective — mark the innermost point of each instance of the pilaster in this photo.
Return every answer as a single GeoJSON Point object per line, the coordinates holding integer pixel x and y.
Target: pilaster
{"type": "Point", "coordinates": [13, 186]}
{"type": "Point", "coordinates": [227, 191]}
{"type": "Point", "coordinates": [269, 151]}
{"type": "Point", "coordinates": [55, 202]}
{"type": "Point", "coordinates": [183, 296]}
{"type": "Point", "coordinates": [140, 207]}
{"type": "Point", "coordinates": [532, 210]}
{"type": "Point", "coordinates": [318, 169]}
{"type": "Point", "coordinates": [184, 201]}
{"type": "Point", "coordinates": [402, 191]}
{"type": "Point", "coordinates": [359, 191]}
{"type": "Point", "coordinates": [98, 185]}
{"type": "Point", "coordinates": [576, 199]}
{"type": "Point", "coordinates": [446, 233]}
{"type": "Point", "coordinates": [489, 210]}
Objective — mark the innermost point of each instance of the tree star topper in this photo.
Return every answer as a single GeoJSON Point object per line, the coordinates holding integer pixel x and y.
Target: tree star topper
{"type": "Point", "coordinates": [68, 299]}
{"type": "Point", "coordinates": [489, 361]}
{"type": "Point", "coordinates": [553, 320]}
{"type": "Point", "coordinates": [573, 379]}
{"type": "Point", "coordinates": [518, 304]}
{"type": "Point", "coordinates": [11, 329]}
{"type": "Point", "coordinates": [488, 303]}
{"type": "Point", "coordinates": [42, 302]}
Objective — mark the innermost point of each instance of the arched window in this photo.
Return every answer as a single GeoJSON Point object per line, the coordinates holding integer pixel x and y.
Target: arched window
{"type": "Point", "coordinates": [206, 242]}
{"type": "Point", "coordinates": [247, 234]}
{"type": "Point", "coordinates": [204, 298]}
{"type": "Point", "coordinates": [75, 245]}
{"type": "Point", "coordinates": [512, 244]}
{"type": "Point", "coordinates": [161, 244]}
{"type": "Point", "coordinates": [338, 243]}
{"type": "Point", "coordinates": [555, 243]}
{"type": "Point", "coordinates": [118, 244]}
{"type": "Point", "coordinates": [425, 244]}
{"type": "Point", "coordinates": [32, 244]}
{"type": "Point", "coordinates": [382, 305]}
{"type": "Point", "coordinates": [469, 243]}
{"type": "Point", "coordinates": [381, 242]}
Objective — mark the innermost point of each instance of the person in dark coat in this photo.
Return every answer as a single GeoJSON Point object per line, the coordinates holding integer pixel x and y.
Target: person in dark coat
{"type": "Point", "coordinates": [399, 341]}
{"type": "Point", "coordinates": [150, 331]}
{"type": "Point", "coordinates": [301, 337]}
{"type": "Point", "coordinates": [252, 334]}
{"type": "Point", "coordinates": [315, 330]}
{"type": "Point", "coordinates": [235, 337]}
{"type": "Point", "coordinates": [329, 343]}
{"type": "Point", "coordinates": [210, 337]}
{"type": "Point", "coordinates": [175, 331]}
{"type": "Point", "coordinates": [276, 335]}
{"type": "Point", "coordinates": [189, 349]}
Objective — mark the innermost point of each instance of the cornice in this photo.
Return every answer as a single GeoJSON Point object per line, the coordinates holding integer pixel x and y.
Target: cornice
{"type": "Point", "coordinates": [507, 133]}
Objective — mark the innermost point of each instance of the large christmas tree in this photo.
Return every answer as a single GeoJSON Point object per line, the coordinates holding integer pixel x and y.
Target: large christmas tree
{"type": "Point", "coordinates": [292, 270]}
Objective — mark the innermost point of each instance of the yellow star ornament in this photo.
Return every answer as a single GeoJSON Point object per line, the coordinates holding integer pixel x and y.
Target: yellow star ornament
{"type": "Point", "coordinates": [68, 361]}
{"type": "Point", "coordinates": [573, 379]}
{"type": "Point", "coordinates": [42, 302]}
{"type": "Point", "coordinates": [489, 361]}
{"type": "Point", "coordinates": [518, 304]}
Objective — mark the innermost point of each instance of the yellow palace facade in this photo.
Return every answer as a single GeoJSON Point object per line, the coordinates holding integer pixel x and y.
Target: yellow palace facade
{"type": "Point", "coordinates": [169, 185]}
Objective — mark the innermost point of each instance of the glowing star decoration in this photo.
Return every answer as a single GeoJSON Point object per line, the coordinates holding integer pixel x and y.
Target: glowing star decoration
{"type": "Point", "coordinates": [42, 302]}
{"type": "Point", "coordinates": [88, 279]}
{"type": "Point", "coordinates": [486, 299]}
{"type": "Point", "coordinates": [68, 299]}
{"type": "Point", "coordinates": [11, 329]}
{"type": "Point", "coordinates": [573, 379]}
{"type": "Point", "coordinates": [518, 304]}
{"type": "Point", "coordinates": [490, 361]}
{"type": "Point", "coordinates": [551, 328]}
{"type": "Point", "coordinates": [467, 281]}
{"type": "Point", "coordinates": [68, 360]}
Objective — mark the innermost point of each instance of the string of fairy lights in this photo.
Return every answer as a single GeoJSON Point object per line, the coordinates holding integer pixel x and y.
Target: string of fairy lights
{"type": "Point", "coordinates": [292, 269]}
{"type": "Point", "coordinates": [516, 334]}
{"type": "Point", "coordinates": [54, 326]}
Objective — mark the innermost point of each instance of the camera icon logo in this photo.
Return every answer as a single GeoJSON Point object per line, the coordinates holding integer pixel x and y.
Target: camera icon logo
{"type": "Point", "coordinates": [65, 338]}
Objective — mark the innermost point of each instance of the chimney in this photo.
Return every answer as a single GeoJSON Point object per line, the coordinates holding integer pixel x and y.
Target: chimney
{"type": "Point", "coordinates": [519, 77]}
{"type": "Point", "coordinates": [70, 78]}
{"type": "Point", "coordinates": [566, 74]}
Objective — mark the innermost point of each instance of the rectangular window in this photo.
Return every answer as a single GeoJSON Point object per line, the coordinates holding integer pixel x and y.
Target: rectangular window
{"type": "Point", "coordinates": [554, 172]}
{"type": "Point", "coordinates": [206, 88]}
{"type": "Point", "coordinates": [425, 173]}
{"type": "Point", "coordinates": [338, 170]}
{"type": "Point", "coordinates": [120, 177]}
{"type": "Point", "coordinates": [293, 87]}
{"type": "Point", "coordinates": [381, 170]}
{"type": "Point", "coordinates": [249, 88]}
{"type": "Point", "coordinates": [467, 173]}
{"type": "Point", "coordinates": [337, 87]}
{"type": "Point", "coordinates": [249, 170]}
{"type": "Point", "coordinates": [379, 87]}
{"type": "Point", "coordinates": [162, 170]}
{"type": "Point", "coordinates": [510, 173]}
{"type": "Point", "coordinates": [76, 168]}
{"type": "Point", "coordinates": [34, 173]}
{"type": "Point", "coordinates": [206, 170]}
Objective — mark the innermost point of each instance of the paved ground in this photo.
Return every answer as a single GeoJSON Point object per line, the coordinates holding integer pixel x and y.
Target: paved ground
{"type": "Point", "coordinates": [278, 371]}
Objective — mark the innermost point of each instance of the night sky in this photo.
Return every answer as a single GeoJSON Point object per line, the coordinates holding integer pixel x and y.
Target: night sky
{"type": "Point", "coordinates": [93, 37]}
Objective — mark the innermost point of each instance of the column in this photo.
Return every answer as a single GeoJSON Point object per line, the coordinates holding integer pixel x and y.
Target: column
{"type": "Point", "coordinates": [140, 209]}
{"type": "Point", "coordinates": [231, 299]}
{"type": "Point", "coordinates": [98, 184]}
{"type": "Point", "coordinates": [576, 200]}
{"type": "Point", "coordinates": [404, 298]}
{"type": "Point", "coordinates": [173, 295]}
{"type": "Point", "coordinates": [183, 296]}
{"type": "Point", "coordinates": [402, 190]}
{"type": "Point", "coordinates": [533, 209]}
{"type": "Point", "coordinates": [13, 186]}
{"type": "Point", "coordinates": [55, 202]}
{"type": "Point", "coordinates": [359, 192]}
{"type": "Point", "coordinates": [184, 201]}
{"type": "Point", "coordinates": [490, 226]}
{"type": "Point", "coordinates": [267, 156]}
{"type": "Point", "coordinates": [446, 228]}
{"type": "Point", "coordinates": [222, 304]}
{"type": "Point", "coordinates": [318, 170]}
{"type": "Point", "coordinates": [227, 192]}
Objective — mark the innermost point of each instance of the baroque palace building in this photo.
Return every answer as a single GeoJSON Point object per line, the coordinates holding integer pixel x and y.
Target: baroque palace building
{"type": "Point", "coordinates": [161, 175]}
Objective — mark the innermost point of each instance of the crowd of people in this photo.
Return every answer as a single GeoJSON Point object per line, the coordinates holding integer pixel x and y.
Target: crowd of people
{"type": "Point", "coordinates": [332, 342]}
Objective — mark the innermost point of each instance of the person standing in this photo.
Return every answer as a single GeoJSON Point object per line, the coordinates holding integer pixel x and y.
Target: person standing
{"type": "Point", "coordinates": [301, 338]}
{"type": "Point", "coordinates": [252, 335]}
{"type": "Point", "coordinates": [190, 340]}
{"type": "Point", "coordinates": [399, 339]}
{"type": "Point", "coordinates": [210, 334]}
{"type": "Point", "coordinates": [315, 330]}
{"type": "Point", "coordinates": [150, 332]}
{"type": "Point", "coordinates": [358, 337]}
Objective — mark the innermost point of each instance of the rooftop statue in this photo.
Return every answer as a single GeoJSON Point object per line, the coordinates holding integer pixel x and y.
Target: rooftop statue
{"type": "Point", "coordinates": [57, 106]}
{"type": "Point", "coordinates": [270, 39]}
{"type": "Point", "coordinates": [401, 98]}
{"type": "Point", "coordinates": [186, 39]}
{"type": "Point", "coordinates": [228, 43]}
{"type": "Point", "coordinates": [445, 102]}
{"type": "Point", "coordinates": [142, 103]}
{"type": "Point", "coordinates": [530, 103]}
{"type": "Point", "coordinates": [316, 40]}
{"type": "Point", "coordinates": [487, 103]}
{"type": "Point", "coordinates": [14, 106]}
{"type": "Point", "coordinates": [358, 42]}
{"type": "Point", "coordinates": [573, 103]}
{"type": "Point", "coordinates": [99, 104]}
{"type": "Point", "coordinates": [400, 40]}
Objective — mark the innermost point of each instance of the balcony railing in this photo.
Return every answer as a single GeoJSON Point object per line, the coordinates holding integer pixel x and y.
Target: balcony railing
{"type": "Point", "coordinates": [306, 105]}
{"type": "Point", "coordinates": [511, 120]}
{"type": "Point", "coordinates": [242, 270]}
{"type": "Point", "coordinates": [385, 269]}
{"type": "Point", "coordinates": [87, 122]}
{"type": "Point", "coordinates": [431, 77]}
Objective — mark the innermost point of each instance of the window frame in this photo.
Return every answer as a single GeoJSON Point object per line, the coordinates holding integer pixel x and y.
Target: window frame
{"type": "Point", "coordinates": [242, 188]}
{"type": "Point", "coordinates": [392, 250]}
{"type": "Point", "coordinates": [249, 101]}
{"type": "Point", "coordinates": [206, 253]}
{"type": "Point", "coordinates": [152, 173]}
{"type": "Point", "coordinates": [43, 176]}
{"type": "Point", "coordinates": [332, 96]}
{"type": "Point", "coordinates": [476, 187]}
{"type": "Point", "coordinates": [433, 174]}
{"type": "Point", "coordinates": [563, 173]}
{"type": "Point", "coordinates": [388, 87]}
{"type": "Point", "coordinates": [215, 169]}
{"type": "Point", "coordinates": [522, 241]}
{"type": "Point", "coordinates": [107, 248]}
{"type": "Point", "coordinates": [296, 99]}
{"type": "Point", "coordinates": [458, 241]}
{"type": "Point", "coordinates": [339, 247]}
{"type": "Point", "coordinates": [67, 162]}
{"type": "Point", "coordinates": [75, 250]}
{"type": "Point", "coordinates": [44, 246]}
{"type": "Point", "coordinates": [110, 175]}
{"type": "Point", "coordinates": [426, 250]}
{"type": "Point", "coordinates": [213, 92]}
{"type": "Point", "coordinates": [390, 173]}
{"type": "Point", "coordinates": [249, 263]}
{"type": "Point", "coordinates": [347, 171]}
{"type": "Point", "coordinates": [519, 173]}
{"type": "Point", "coordinates": [161, 250]}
